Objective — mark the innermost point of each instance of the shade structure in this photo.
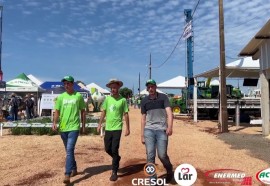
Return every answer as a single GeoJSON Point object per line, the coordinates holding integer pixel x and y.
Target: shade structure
{"type": "Point", "coordinates": [241, 68]}
{"type": "Point", "coordinates": [22, 83]}
{"type": "Point", "coordinates": [174, 83]}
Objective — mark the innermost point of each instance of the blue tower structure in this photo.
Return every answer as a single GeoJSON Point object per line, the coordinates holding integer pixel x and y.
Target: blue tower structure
{"type": "Point", "coordinates": [189, 39]}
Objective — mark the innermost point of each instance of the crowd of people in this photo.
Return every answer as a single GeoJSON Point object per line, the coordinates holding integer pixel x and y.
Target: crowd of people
{"type": "Point", "coordinates": [156, 125]}
{"type": "Point", "coordinates": [15, 107]}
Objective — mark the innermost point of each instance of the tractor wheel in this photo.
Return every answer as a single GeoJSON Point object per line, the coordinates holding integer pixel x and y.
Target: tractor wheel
{"type": "Point", "coordinates": [176, 109]}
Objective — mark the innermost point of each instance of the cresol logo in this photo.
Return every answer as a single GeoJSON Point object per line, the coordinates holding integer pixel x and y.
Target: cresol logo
{"type": "Point", "coordinates": [264, 176]}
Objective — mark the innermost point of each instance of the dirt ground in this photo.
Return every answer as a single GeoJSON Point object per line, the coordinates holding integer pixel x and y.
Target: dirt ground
{"type": "Point", "coordinates": [39, 160]}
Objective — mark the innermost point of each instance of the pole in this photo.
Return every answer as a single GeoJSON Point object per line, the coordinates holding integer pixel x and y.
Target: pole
{"type": "Point", "coordinates": [150, 68]}
{"type": "Point", "coordinates": [1, 72]}
{"type": "Point", "coordinates": [139, 89]}
{"type": "Point", "coordinates": [237, 113]}
{"type": "Point", "coordinates": [189, 41]}
{"type": "Point", "coordinates": [223, 115]}
{"type": "Point", "coordinates": [1, 124]}
{"type": "Point", "coordinates": [195, 101]}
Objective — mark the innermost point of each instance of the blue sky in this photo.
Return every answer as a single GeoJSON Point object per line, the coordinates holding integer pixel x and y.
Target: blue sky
{"type": "Point", "coordinates": [96, 40]}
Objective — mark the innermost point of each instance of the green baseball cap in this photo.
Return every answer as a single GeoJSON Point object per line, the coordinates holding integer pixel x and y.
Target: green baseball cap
{"type": "Point", "coordinates": [150, 81]}
{"type": "Point", "coordinates": [68, 78]}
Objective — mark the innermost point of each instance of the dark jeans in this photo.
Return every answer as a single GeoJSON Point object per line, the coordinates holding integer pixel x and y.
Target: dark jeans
{"type": "Point", "coordinates": [112, 143]}
{"type": "Point", "coordinates": [28, 112]}
{"type": "Point", "coordinates": [14, 113]}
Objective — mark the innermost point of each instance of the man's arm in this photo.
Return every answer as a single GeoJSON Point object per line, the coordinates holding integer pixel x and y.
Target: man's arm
{"type": "Point", "coordinates": [55, 120]}
{"type": "Point", "coordinates": [169, 130]}
{"type": "Point", "coordinates": [102, 116]}
{"type": "Point", "coordinates": [143, 121]}
{"type": "Point", "coordinates": [127, 124]}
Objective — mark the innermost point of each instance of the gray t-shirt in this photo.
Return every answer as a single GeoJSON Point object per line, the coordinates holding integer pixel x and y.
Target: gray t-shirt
{"type": "Point", "coordinates": [156, 116]}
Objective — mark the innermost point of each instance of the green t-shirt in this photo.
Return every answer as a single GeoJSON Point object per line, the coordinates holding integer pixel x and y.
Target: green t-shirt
{"type": "Point", "coordinates": [69, 107]}
{"type": "Point", "coordinates": [115, 108]}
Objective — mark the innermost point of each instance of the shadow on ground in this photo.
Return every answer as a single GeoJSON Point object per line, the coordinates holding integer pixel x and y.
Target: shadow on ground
{"type": "Point", "coordinates": [91, 171]}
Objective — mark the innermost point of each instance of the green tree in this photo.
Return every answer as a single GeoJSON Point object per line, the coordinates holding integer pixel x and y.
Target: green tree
{"type": "Point", "coordinates": [125, 92]}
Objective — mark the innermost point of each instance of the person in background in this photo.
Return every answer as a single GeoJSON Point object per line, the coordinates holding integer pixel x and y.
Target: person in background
{"type": "Point", "coordinates": [139, 102]}
{"type": "Point", "coordinates": [34, 109]}
{"type": "Point", "coordinates": [70, 108]}
{"type": "Point", "coordinates": [28, 107]}
{"type": "Point", "coordinates": [14, 107]}
{"type": "Point", "coordinates": [114, 107]}
{"type": "Point", "coordinates": [156, 127]}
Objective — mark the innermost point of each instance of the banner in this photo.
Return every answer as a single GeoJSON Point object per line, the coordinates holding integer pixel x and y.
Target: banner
{"type": "Point", "coordinates": [47, 100]}
{"type": "Point", "coordinates": [187, 30]}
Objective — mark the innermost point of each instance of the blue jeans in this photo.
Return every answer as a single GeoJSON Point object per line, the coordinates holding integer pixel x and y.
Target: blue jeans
{"type": "Point", "coordinates": [14, 113]}
{"type": "Point", "coordinates": [70, 139]}
{"type": "Point", "coordinates": [157, 140]}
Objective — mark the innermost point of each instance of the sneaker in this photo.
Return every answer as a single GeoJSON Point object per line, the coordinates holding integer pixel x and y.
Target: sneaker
{"type": "Point", "coordinates": [73, 173]}
{"type": "Point", "coordinates": [66, 180]}
{"type": "Point", "coordinates": [114, 176]}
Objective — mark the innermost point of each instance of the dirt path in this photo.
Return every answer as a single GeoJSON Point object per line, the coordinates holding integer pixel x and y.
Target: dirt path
{"type": "Point", "coordinates": [39, 160]}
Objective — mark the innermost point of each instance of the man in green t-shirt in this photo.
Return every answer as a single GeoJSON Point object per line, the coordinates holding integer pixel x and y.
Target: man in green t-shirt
{"type": "Point", "coordinates": [70, 110]}
{"type": "Point", "coordinates": [114, 107]}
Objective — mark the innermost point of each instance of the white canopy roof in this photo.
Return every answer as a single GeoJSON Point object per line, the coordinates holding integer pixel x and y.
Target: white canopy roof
{"type": "Point", "coordinates": [22, 83]}
{"type": "Point", "coordinates": [145, 92]}
{"type": "Point", "coordinates": [244, 68]}
{"type": "Point", "coordinates": [174, 83]}
{"type": "Point", "coordinates": [100, 89]}
{"type": "Point", "coordinates": [34, 79]}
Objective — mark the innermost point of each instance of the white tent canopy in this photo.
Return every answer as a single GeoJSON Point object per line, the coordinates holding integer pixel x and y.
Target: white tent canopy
{"type": "Point", "coordinates": [145, 92]}
{"type": "Point", "coordinates": [22, 84]}
{"type": "Point", "coordinates": [242, 68]}
{"type": "Point", "coordinates": [83, 86]}
{"type": "Point", "coordinates": [34, 79]}
{"type": "Point", "coordinates": [174, 83]}
{"type": "Point", "coordinates": [100, 89]}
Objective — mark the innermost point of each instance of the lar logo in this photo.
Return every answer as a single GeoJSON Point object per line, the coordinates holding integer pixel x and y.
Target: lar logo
{"type": "Point", "coordinates": [264, 176]}
{"type": "Point", "coordinates": [149, 169]}
{"type": "Point", "coordinates": [185, 174]}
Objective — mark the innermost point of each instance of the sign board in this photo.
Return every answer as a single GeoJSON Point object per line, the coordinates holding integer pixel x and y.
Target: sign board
{"type": "Point", "coordinates": [47, 100]}
{"type": "Point", "coordinates": [2, 84]}
{"type": "Point", "coordinates": [187, 30]}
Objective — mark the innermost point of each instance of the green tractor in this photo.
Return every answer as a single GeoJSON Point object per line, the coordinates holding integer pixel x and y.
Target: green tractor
{"type": "Point", "coordinates": [207, 91]}
{"type": "Point", "coordinates": [178, 105]}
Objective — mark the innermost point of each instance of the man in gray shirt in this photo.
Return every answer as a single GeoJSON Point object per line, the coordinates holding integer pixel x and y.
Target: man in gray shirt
{"type": "Point", "coordinates": [156, 126]}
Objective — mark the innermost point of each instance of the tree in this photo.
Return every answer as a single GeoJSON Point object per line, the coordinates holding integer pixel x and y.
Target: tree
{"type": "Point", "coordinates": [125, 92]}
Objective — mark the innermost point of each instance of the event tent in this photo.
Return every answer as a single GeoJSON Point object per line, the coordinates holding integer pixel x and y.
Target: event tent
{"type": "Point", "coordinates": [54, 89]}
{"type": "Point", "coordinates": [100, 89]}
{"type": "Point", "coordinates": [241, 68]}
{"type": "Point", "coordinates": [145, 92]}
{"type": "Point", "coordinates": [22, 84]}
{"type": "Point", "coordinates": [174, 83]}
{"type": "Point", "coordinates": [51, 86]}
{"type": "Point", "coordinates": [34, 79]}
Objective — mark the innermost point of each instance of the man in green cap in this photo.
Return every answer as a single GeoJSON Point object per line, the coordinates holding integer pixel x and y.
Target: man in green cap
{"type": "Point", "coordinates": [156, 127]}
{"type": "Point", "coordinates": [70, 108]}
